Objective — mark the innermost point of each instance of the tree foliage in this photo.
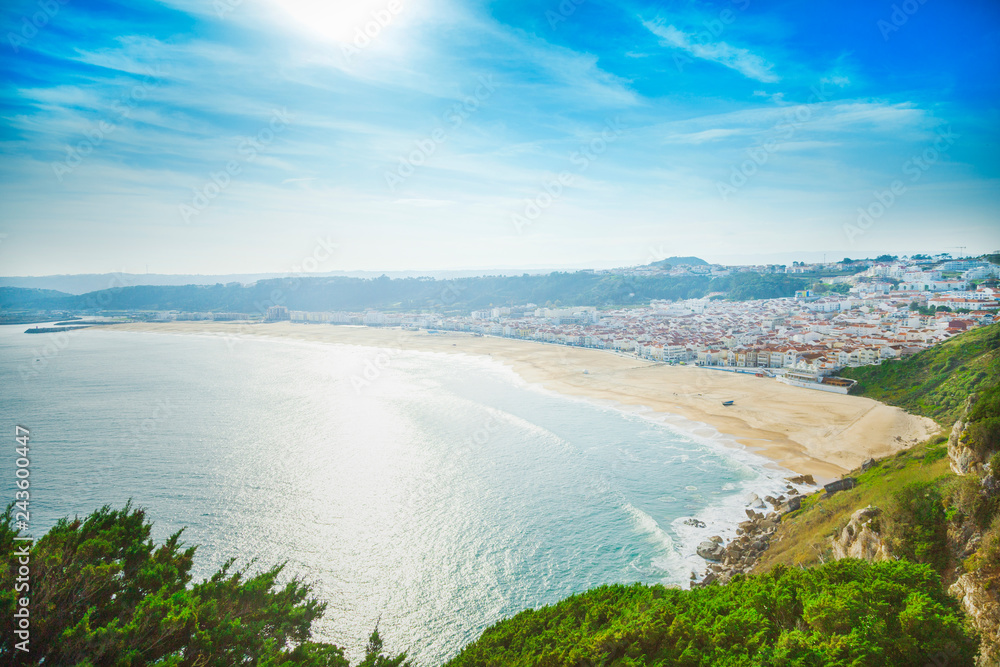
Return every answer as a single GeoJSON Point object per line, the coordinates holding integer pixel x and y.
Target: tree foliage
{"type": "Point", "coordinates": [103, 594]}
{"type": "Point", "coordinates": [916, 526]}
{"type": "Point", "coordinates": [844, 613]}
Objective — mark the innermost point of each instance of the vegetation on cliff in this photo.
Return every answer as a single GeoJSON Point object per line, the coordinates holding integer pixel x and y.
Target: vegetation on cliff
{"type": "Point", "coordinates": [926, 512]}
{"type": "Point", "coordinates": [937, 382]}
{"type": "Point", "coordinates": [104, 594]}
{"type": "Point", "coordinates": [849, 612]}
{"type": "Point", "coordinates": [101, 593]}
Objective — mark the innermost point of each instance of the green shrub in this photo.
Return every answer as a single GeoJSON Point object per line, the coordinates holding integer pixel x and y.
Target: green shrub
{"type": "Point", "coordinates": [983, 436]}
{"type": "Point", "coordinates": [987, 556]}
{"type": "Point", "coordinates": [965, 496]}
{"type": "Point", "coordinates": [103, 594]}
{"type": "Point", "coordinates": [935, 454]}
{"type": "Point", "coordinates": [987, 405]}
{"type": "Point", "coordinates": [848, 612]}
{"type": "Point", "coordinates": [916, 526]}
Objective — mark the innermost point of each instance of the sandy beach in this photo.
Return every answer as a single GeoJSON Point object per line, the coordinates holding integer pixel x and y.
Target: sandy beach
{"type": "Point", "coordinates": [804, 430]}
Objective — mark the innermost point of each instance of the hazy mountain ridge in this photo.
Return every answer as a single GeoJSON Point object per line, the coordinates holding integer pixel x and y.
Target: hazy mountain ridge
{"type": "Point", "coordinates": [94, 282]}
{"type": "Point", "coordinates": [409, 294]}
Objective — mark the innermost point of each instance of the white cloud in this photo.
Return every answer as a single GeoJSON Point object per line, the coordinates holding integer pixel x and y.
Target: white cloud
{"type": "Point", "coordinates": [837, 80]}
{"type": "Point", "coordinates": [736, 58]}
{"type": "Point", "coordinates": [425, 203]}
{"type": "Point", "coordinates": [704, 136]}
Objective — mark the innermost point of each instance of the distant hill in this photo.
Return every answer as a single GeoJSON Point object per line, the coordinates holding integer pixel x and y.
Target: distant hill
{"type": "Point", "coordinates": [93, 282]}
{"type": "Point", "coordinates": [18, 298]}
{"type": "Point", "coordinates": [936, 382]}
{"type": "Point", "coordinates": [680, 261]}
{"type": "Point", "coordinates": [583, 288]}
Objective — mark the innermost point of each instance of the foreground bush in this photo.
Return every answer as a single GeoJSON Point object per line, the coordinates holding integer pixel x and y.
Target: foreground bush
{"type": "Point", "coordinates": [103, 594]}
{"type": "Point", "coordinates": [844, 613]}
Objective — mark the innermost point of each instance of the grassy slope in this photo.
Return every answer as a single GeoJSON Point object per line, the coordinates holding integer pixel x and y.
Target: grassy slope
{"type": "Point", "coordinates": [638, 625]}
{"type": "Point", "coordinates": [933, 383]}
{"type": "Point", "coordinates": [936, 382]}
{"type": "Point", "coordinates": [804, 536]}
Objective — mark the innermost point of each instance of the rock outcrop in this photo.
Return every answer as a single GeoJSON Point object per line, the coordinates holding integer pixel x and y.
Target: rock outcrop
{"type": "Point", "coordinates": [858, 539]}
{"type": "Point", "coordinates": [802, 479]}
{"type": "Point", "coordinates": [710, 550]}
{"type": "Point", "coordinates": [963, 459]}
{"type": "Point", "coordinates": [843, 484]}
{"type": "Point", "coordinates": [742, 553]}
{"type": "Point", "coordinates": [984, 611]}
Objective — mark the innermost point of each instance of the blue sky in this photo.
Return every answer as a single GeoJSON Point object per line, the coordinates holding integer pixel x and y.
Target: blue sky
{"type": "Point", "coordinates": [246, 136]}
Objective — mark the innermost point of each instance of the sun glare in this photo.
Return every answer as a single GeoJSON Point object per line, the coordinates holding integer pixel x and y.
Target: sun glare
{"type": "Point", "coordinates": [344, 22]}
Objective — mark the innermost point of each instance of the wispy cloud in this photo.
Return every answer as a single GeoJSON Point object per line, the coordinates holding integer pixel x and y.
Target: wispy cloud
{"type": "Point", "coordinates": [736, 58]}
{"type": "Point", "coordinates": [218, 79]}
{"type": "Point", "coordinates": [704, 136]}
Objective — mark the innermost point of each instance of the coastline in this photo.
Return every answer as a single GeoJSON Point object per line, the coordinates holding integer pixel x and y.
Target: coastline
{"type": "Point", "coordinates": [808, 432]}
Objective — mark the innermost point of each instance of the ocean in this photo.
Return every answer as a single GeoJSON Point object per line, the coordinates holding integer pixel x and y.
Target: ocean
{"type": "Point", "coordinates": [437, 492]}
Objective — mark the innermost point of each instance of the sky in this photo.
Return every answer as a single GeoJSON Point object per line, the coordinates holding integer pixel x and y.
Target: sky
{"type": "Point", "coordinates": [227, 136]}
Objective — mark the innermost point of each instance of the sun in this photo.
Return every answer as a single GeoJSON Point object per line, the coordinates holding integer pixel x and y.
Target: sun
{"type": "Point", "coordinates": [342, 20]}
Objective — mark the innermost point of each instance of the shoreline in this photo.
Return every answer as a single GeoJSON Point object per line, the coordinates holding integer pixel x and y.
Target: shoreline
{"type": "Point", "coordinates": [801, 430]}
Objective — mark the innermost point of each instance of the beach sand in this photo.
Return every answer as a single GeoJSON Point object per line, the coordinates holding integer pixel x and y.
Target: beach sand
{"type": "Point", "coordinates": [804, 430]}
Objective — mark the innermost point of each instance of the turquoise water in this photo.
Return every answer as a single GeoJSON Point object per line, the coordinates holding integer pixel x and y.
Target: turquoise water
{"type": "Point", "coordinates": [438, 492]}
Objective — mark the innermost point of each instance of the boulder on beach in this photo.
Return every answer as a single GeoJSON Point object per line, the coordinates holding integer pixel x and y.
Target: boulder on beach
{"type": "Point", "coordinates": [710, 550]}
{"type": "Point", "coordinates": [792, 505]}
{"type": "Point", "coordinates": [802, 479]}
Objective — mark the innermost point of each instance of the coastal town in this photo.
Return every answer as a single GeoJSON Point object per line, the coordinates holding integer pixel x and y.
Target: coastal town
{"type": "Point", "coordinates": [884, 311]}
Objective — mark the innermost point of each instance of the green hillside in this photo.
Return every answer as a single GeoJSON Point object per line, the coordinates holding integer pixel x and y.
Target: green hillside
{"type": "Point", "coordinates": [936, 382]}
{"type": "Point", "coordinates": [845, 613]}
{"type": "Point", "coordinates": [839, 613]}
